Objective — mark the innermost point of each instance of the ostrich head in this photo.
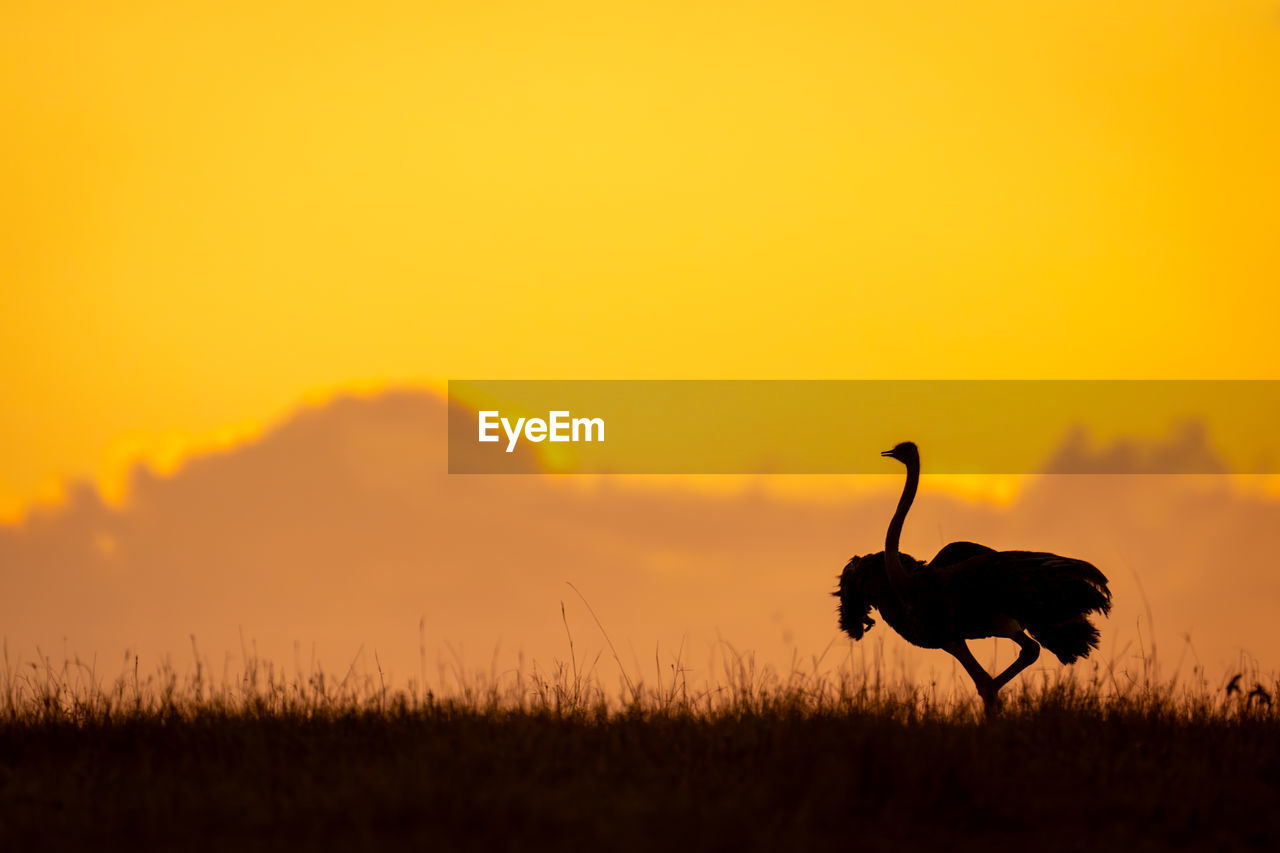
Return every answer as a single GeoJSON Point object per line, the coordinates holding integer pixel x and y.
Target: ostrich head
{"type": "Point", "coordinates": [905, 452]}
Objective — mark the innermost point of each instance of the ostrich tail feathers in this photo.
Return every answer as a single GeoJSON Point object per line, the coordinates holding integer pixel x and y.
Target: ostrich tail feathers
{"type": "Point", "coordinates": [1069, 640]}
{"type": "Point", "coordinates": [1067, 591]}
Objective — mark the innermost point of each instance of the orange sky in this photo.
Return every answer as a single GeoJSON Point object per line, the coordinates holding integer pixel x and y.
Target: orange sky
{"type": "Point", "coordinates": [210, 211]}
{"type": "Point", "coordinates": [216, 216]}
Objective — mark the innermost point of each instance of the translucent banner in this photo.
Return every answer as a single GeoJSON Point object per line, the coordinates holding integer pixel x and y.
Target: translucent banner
{"type": "Point", "coordinates": [840, 426]}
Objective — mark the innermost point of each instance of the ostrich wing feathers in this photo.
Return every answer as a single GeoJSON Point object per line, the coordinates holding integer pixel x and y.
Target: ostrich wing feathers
{"type": "Point", "coordinates": [1051, 596]}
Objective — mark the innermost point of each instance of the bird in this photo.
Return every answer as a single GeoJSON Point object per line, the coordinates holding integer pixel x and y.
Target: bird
{"type": "Point", "coordinates": [968, 592]}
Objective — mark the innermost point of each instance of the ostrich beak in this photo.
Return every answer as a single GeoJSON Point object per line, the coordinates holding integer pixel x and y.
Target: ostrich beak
{"type": "Point", "coordinates": [886, 452]}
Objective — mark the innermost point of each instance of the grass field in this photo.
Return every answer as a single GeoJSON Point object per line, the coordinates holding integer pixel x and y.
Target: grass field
{"type": "Point", "coordinates": [533, 762]}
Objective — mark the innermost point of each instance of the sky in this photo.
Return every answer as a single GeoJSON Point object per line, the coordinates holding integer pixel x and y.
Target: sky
{"type": "Point", "coordinates": [211, 214]}
{"type": "Point", "coordinates": [219, 221]}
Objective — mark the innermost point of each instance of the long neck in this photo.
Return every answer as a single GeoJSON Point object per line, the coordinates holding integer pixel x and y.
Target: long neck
{"type": "Point", "coordinates": [892, 562]}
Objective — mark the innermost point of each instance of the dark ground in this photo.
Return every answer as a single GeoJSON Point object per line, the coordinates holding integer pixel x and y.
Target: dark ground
{"type": "Point", "coordinates": [449, 780]}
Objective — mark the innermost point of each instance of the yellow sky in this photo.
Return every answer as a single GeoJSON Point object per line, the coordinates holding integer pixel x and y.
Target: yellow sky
{"type": "Point", "coordinates": [209, 211]}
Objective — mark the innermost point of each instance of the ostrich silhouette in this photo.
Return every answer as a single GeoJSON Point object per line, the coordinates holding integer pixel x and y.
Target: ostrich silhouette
{"type": "Point", "coordinates": [969, 591]}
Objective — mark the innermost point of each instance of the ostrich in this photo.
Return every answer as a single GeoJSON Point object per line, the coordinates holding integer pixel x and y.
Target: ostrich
{"type": "Point", "coordinates": [969, 591]}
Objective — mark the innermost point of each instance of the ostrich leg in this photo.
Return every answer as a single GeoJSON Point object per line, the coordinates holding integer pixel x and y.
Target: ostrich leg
{"type": "Point", "coordinates": [1026, 657]}
{"type": "Point", "coordinates": [981, 678]}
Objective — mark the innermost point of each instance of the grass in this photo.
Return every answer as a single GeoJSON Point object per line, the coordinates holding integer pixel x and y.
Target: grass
{"type": "Point", "coordinates": [531, 760]}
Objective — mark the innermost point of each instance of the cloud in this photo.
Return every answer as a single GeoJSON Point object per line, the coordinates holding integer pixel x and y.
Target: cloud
{"type": "Point", "coordinates": [341, 529]}
{"type": "Point", "coordinates": [1187, 451]}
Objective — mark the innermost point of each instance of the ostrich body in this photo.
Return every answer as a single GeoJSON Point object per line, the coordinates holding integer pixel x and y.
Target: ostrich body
{"type": "Point", "coordinates": [968, 592]}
